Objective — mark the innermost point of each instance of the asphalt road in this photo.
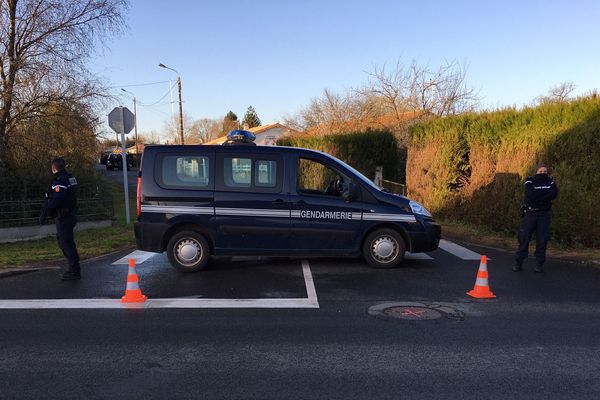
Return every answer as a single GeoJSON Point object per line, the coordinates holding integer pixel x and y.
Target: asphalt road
{"type": "Point", "coordinates": [117, 176]}
{"type": "Point", "coordinates": [539, 339]}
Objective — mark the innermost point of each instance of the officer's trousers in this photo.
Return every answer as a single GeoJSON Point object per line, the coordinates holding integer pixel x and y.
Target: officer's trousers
{"type": "Point", "coordinates": [538, 222]}
{"type": "Point", "coordinates": [66, 241]}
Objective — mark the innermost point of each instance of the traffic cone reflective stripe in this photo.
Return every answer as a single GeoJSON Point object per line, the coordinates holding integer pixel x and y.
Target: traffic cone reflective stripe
{"type": "Point", "coordinates": [481, 290]}
{"type": "Point", "coordinates": [133, 293]}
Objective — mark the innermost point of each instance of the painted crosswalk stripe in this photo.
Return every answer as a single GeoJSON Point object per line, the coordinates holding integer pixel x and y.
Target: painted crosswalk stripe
{"type": "Point", "coordinates": [138, 255]}
{"type": "Point", "coordinates": [417, 256]}
{"type": "Point", "coordinates": [459, 251]}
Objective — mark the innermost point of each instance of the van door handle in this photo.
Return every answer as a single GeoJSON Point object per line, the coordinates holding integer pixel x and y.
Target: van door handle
{"type": "Point", "coordinates": [300, 203]}
{"type": "Point", "coordinates": [278, 202]}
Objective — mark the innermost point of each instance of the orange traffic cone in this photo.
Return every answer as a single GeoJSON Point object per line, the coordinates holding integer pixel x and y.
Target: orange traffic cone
{"type": "Point", "coordinates": [482, 287]}
{"type": "Point", "coordinates": [133, 294]}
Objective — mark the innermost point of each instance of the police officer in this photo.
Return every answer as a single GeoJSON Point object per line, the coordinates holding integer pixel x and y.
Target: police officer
{"type": "Point", "coordinates": [540, 190]}
{"type": "Point", "coordinates": [61, 204]}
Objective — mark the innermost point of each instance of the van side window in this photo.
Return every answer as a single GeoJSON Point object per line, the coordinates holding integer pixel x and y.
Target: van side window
{"type": "Point", "coordinates": [266, 173]}
{"type": "Point", "coordinates": [255, 173]}
{"type": "Point", "coordinates": [237, 172]}
{"type": "Point", "coordinates": [185, 171]}
{"type": "Point", "coordinates": [315, 177]}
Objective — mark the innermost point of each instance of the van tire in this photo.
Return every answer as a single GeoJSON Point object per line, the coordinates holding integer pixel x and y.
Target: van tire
{"type": "Point", "coordinates": [188, 251]}
{"type": "Point", "coordinates": [384, 248]}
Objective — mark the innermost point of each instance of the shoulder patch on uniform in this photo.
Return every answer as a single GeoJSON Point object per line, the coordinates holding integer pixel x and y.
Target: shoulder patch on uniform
{"type": "Point", "coordinates": [72, 181]}
{"type": "Point", "coordinates": [56, 188]}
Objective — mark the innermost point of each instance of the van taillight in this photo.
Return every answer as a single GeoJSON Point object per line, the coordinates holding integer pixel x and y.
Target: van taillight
{"type": "Point", "coordinates": [139, 197]}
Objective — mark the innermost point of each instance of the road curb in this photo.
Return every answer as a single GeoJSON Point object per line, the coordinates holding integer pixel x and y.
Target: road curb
{"type": "Point", "coordinates": [459, 240]}
{"type": "Point", "coordinates": [6, 272]}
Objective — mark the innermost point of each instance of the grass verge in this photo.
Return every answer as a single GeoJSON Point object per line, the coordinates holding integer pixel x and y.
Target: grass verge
{"type": "Point", "coordinates": [480, 236]}
{"type": "Point", "coordinates": [90, 243]}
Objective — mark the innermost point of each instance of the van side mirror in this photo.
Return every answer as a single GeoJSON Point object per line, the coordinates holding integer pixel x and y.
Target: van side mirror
{"type": "Point", "coordinates": [351, 192]}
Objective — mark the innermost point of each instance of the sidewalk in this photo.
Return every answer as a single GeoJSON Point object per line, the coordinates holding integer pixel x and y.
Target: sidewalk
{"type": "Point", "coordinates": [501, 243]}
{"type": "Point", "coordinates": [56, 265]}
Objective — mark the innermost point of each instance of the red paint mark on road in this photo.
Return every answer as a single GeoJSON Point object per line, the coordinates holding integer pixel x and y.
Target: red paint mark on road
{"type": "Point", "coordinates": [413, 313]}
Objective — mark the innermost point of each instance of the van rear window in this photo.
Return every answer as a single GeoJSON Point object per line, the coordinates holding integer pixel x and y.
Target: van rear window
{"type": "Point", "coordinates": [178, 171]}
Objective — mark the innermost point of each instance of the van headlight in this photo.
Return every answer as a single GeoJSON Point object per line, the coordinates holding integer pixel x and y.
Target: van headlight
{"type": "Point", "coordinates": [419, 209]}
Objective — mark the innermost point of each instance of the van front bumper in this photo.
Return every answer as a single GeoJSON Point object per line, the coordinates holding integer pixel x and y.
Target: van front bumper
{"type": "Point", "coordinates": [426, 240]}
{"type": "Point", "coordinates": [148, 236]}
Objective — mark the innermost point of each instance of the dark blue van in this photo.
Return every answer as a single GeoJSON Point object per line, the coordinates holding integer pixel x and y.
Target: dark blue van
{"type": "Point", "coordinates": [198, 201]}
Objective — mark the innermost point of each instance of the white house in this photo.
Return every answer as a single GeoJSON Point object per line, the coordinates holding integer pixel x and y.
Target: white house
{"type": "Point", "coordinates": [266, 135]}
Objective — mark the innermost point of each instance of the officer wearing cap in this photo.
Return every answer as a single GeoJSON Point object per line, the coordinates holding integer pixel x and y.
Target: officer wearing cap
{"type": "Point", "coordinates": [540, 190]}
{"type": "Point", "coordinates": [61, 204]}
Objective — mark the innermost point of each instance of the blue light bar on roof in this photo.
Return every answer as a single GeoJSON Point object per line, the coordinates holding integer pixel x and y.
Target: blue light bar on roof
{"type": "Point", "coordinates": [241, 135]}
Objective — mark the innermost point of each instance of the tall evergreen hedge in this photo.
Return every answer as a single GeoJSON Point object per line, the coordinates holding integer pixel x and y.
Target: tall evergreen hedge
{"type": "Point", "coordinates": [472, 167]}
{"type": "Point", "coordinates": [364, 150]}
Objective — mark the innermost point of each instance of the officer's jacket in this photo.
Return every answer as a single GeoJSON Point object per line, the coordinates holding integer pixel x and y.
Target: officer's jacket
{"type": "Point", "coordinates": [62, 199]}
{"type": "Point", "coordinates": [540, 190]}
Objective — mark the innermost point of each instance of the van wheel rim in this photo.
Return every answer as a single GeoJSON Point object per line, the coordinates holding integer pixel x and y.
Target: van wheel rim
{"type": "Point", "coordinates": [384, 249]}
{"type": "Point", "coordinates": [188, 252]}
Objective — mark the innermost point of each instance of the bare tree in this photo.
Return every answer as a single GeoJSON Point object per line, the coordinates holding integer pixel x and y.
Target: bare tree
{"type": "Point", "coordinates": [44, 46]}
{"type": "Point", "coordinates": [333, 112]}
{"type": "Point", "coordinates": [151, 137]}
{"type": "Point", "coordinates": [418, 88]}
{"type": "Point", "coordinates": [206, 129]}
{"type": "Point", "coordinates": [171, 129]}
{"type": "Point", "coordinates": [560, 92]}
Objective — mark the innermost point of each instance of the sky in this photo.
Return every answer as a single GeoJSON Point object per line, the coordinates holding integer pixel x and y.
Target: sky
{"type": "Point", "coordinates": [277, 55]}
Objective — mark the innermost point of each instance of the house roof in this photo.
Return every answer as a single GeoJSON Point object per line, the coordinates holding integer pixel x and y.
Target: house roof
{"type": "Point", "coordinates": [256, 130]}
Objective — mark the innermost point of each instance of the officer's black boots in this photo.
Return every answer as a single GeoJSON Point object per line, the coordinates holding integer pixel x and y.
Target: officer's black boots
{"type": "Point", "coordinates": [539, 268]}
{"type": "Point", "coordinates": [70, 276]}
{"type": "Point", "coordinates": [517, 268]}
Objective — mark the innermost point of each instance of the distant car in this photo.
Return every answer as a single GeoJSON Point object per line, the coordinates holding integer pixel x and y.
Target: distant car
{"type": "Point", "coordinates": [115, 161]}
{"type": "Point", "coordinates": [104, 157]}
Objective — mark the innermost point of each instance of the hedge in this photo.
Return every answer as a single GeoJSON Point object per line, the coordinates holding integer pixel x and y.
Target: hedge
{"type": "Point", "coordinates": [363, 150]}
{"type": "Point", "coordinates": [472, 167]}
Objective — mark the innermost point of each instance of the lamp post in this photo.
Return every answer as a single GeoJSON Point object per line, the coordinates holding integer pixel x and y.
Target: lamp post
{"type": "Point", "coordinates": [161, 65]}
{"type": "Point", "coordinates": [134, 119]}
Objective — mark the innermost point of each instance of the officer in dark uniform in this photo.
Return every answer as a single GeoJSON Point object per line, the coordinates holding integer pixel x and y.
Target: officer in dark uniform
{"type": "Point", "coordinates": [61, 204]}
{"type": "Point", "coordinates": [540, 190]}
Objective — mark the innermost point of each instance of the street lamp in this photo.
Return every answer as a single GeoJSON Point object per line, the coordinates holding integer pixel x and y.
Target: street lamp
{"type": "Point", "coordinates": [134, 119]}
{"type": "Point", "coordinates": [161, 65]}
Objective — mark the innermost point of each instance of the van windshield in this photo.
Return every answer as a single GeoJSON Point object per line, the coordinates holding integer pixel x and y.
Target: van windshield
{"type": "Point", "coordinates": [358, 174]}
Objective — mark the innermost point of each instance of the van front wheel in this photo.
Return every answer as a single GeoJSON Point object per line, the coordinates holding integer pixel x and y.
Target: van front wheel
{"type": "Point", "coordinates": [384, 248]}
{"type": "Point", "coordinates": [188, 251]}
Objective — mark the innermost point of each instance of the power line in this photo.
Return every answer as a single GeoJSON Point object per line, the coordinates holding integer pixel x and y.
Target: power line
{"type": "Point", "coordinates": [139, 84]}
{"type": "Point", "coordinates": [161, 99]}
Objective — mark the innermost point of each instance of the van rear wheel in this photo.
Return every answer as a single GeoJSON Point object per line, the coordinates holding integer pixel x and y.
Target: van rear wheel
{"type": "Point", "coordinates": [384, 248]}
{"type": "Point", "coordinates": [188, 251]}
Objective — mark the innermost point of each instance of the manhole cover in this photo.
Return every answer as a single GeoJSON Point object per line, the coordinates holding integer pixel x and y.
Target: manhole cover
{"type": "Point", "coordinates": [415, 311]}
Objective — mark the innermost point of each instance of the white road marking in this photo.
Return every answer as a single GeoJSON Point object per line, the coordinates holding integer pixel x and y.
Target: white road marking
{"type": "Point", "coordinates": [309, 302]}
{"type": "Point", "coordinates": [417, 256]}
{"type": "Point", "coordinates": [157, 303]}
{"type": "Point", "coordinates": [459, 251]}
{"type": "Point", "coordinates": [310, 284]}
{"type": "Point", "coordinates": [138, 255]}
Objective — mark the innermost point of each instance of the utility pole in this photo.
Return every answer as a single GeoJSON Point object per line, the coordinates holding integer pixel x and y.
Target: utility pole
{"type": "Point", "coordinates": [135, 126]}
{"type": "Point", "coordinates": [180, 108]}
{"type": "Point", "coordinates": [134, 119]}
{"type": "Point", "coordinates": [161, 65]}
